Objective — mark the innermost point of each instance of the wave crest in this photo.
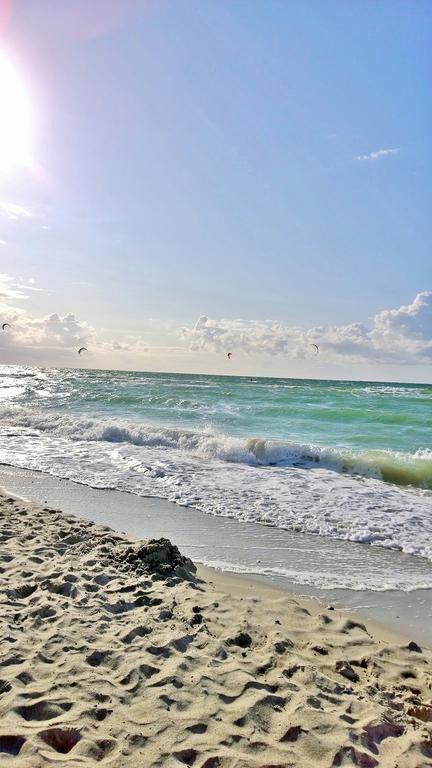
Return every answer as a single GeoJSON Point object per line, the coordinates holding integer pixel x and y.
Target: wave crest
{"type": "Point", "coordinates": [405, 469]}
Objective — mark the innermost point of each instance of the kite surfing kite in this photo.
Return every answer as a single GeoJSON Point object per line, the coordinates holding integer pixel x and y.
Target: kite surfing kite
{"type": "Point", "coordinates": [229, 355]}
{"type": "Point", "coordinates": [316, 347]}
{"type": "Point", "coordinates": [6, 325]}
{"type": "Point", "coordinates": [82, 349]}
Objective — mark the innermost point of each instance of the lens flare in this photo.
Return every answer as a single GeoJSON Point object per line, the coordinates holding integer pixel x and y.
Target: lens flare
{"type": "Point", "coordinates": [15, 120]}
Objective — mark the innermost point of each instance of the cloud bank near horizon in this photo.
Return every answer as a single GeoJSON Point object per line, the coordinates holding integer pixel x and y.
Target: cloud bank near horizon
{"type": "Point", "coordinates": [402, 335]}
{"type": "Point", "coordinates": [54, 338]}
{"type": "Point", "coordinates": [397, 336]}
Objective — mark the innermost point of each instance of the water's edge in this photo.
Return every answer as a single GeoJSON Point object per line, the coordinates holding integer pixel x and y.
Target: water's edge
{"type": "Point", "coordinates": [346, 461]}
{"type": "Point", "coordinates": [246, 549]}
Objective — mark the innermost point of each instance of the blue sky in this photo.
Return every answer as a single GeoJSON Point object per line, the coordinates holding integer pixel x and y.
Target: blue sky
{"type": "Point", "coordinates": [227, 159]}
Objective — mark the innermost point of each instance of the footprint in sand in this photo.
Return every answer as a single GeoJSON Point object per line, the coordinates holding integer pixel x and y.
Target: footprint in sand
{"type": "Point", "coordinates": [20, 593]}
{"type": "Point", "coordinates": [65, 588]}
{"type": "Point", "coordinates": [11, 745]}
{"type": "Point", "coordinates": [25, 678]}
{"type": "Point", "coordinates": [354, 757]}
{"type": "Point", "coordinates": [97, 658]}
{"type": "Point", "coordinates": [12, 661]}
{"type": "Point", "coordinates": [159, 650]}
{"type": "Point", "coordinates": [61, 739]}
{"type": "Point", "coordinates": [100, 749]}
{"type": "Point", "coordinates": [134, 633]}
{"type": "Point", "coordinates": [119, 607]}
{"type": "Point", "coordinates": [5, 687]}
{"type": "Point", "coordinates": [197, 728]}
{"type": "Point", "coordinates": [186, 756]}
{"type": "Point", "coordinates": [97, 714]}
{"type": "Point", "coordinates": [133, 679]}
{"type": "Point", "coordinates": [43, 710]}
{"type": "Point", "coordinates": [44, 612]}
{"type": "Point", "coordinates": [374, 733]}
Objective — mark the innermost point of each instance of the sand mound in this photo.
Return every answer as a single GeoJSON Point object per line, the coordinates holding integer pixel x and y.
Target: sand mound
{"type": "Point", "coordinates": [157, 556]}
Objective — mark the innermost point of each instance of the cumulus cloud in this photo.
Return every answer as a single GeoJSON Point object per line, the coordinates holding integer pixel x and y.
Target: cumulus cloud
{"type": "Point", "coordinates": [55, 337]}
{"type": "Point", "coordinates": [402, 335]}
{"type": "Point", "coordinates": [49, 332]}
{"type": "Point", "coordinates": [251, 336]}
{"type": "Point", "coordinates": [407, 330]}
{"type": "Point", "coordinates": [378, 153]}
{"type": "Point", "coordinates": [52, 331]}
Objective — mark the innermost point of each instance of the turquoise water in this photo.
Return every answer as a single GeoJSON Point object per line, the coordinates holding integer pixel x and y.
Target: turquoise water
{"type": "Point", "coordinates": [389, 425]}
{"type": "Point", "coordinates": [316, 455]}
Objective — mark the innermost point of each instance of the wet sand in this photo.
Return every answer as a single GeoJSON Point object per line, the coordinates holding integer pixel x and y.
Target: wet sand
{"type": "Point", "coordinates": [263, 553]}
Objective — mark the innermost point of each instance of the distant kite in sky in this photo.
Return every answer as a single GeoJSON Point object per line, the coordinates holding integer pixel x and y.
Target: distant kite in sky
{"type": "Point", "coordinates": [6, 325]}
{"type": "Point", "coordinates": [229, 355]}
{"type": "Point", "coordinates": [316, 347]}
{"type": "Point", "coordinates": [82, 349]}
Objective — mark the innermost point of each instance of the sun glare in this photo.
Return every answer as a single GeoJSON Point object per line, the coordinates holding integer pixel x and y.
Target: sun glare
{"type": "Point", "coordinates": [15, 119]}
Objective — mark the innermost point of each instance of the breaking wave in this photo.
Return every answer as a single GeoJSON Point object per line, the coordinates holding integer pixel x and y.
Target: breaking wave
{"type": "Point", "coordinates": [403, 469]}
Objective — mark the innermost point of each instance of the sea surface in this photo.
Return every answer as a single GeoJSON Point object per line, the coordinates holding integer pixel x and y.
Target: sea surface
{"type": "Point", "coordinates": [342, 460]}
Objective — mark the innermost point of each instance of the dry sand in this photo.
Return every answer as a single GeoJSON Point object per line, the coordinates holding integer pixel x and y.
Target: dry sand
{"type": "Point", "coordinates": [114, 652]}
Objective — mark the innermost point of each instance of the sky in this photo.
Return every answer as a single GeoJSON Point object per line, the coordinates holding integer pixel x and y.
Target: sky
{"type": "Point", "coordinates": [184, 178]}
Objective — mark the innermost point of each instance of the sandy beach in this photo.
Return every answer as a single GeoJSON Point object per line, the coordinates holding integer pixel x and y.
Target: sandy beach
{"type": "Point", "coordinates": [119, 652]}
{"type": "Point", "coordinates": [215, 384]}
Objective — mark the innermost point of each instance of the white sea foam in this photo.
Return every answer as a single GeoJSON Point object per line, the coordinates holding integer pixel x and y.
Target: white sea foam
{"type": "Point", "coordinates": [407, 469]}
{"type": "Point", "coordinates": [287, 485]}
{"type": "Point", "coordinates": [381, 390]}
{"type": "Point", "coordinates": [324, 580]}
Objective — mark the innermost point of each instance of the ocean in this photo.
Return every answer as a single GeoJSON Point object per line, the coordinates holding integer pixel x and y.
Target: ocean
{"type": "Point", "coordinates": [341, 460]}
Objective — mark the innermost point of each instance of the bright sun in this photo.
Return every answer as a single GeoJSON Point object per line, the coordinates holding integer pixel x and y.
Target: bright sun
{"type": "Point", "coordinates": [15, 119]}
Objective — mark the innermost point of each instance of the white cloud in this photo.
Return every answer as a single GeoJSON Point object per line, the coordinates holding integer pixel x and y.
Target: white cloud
{"type": "Point", "coordinates": [33, 288]}
{"type": "Point", "coordinates": [52, 331]}
{"type": "Point", "coordinates": [53, 337]}
{"type": "Point", "coordinates": [378, 153]}
{"type": "Point", "coordinates": [48, 332]}
{"type": "Point", "coordinates": [14, 211]}
{"type": "Point", "coordinates": [396, 336]}
{"type": "Point", "coordinates": [401, 335]}
{"type": "Point", "coordinates": [407, 330]}
{"type": "Point", "coordinates": [9, 289]}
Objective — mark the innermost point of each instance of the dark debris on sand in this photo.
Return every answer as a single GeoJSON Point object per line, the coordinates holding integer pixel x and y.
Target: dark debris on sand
{"type": "Point", "coordinates": [156, 557]}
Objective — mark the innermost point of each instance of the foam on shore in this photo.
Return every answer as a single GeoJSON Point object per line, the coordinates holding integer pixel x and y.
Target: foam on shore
{"type": "Point", "coordinates": [293, 486]}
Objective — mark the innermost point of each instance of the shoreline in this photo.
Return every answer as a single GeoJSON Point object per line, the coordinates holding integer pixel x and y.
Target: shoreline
{"type": "Point", "coordinates": [236, 548]}
{"type": "Point", "coordinates": [115, 652]}
{"type": "Point", "coordinates": [242, 586]}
